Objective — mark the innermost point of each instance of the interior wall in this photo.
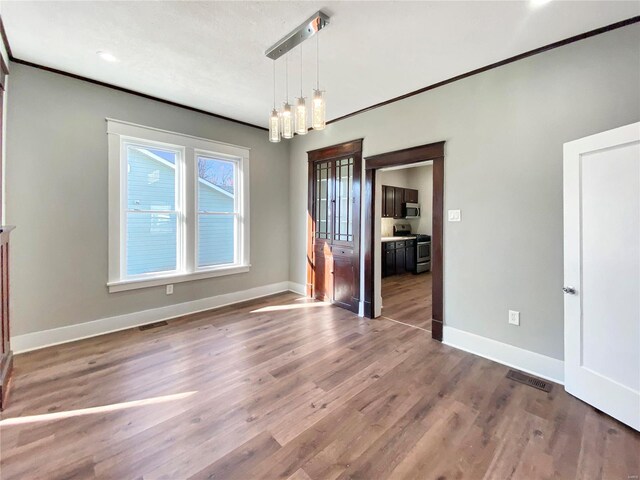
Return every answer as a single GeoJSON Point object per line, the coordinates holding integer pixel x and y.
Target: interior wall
{"type": "Point", "coordinates": [57, 197]}
{"type": "Point", "coordinates": [504, 131]}
{"type": "Point", "coordinates": [421, 179]}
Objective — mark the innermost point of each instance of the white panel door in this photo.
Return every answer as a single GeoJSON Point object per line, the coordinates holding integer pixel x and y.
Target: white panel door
{"type": "Point", "coordinates": [602, 271]}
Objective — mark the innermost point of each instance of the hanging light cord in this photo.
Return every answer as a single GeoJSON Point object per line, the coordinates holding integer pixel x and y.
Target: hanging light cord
{"type": "Point", "coordinates": [286, 76]}
{"type": "Point", "coordinates": [317, 61]}
{"type": "Point", "coordinates": [274, 84]}
{"type": "Point", "coordinates": [301, 94]}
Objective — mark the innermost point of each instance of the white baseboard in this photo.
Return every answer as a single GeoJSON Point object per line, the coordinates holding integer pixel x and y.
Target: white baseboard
{"type": "Point", "coordinates": [56, 336]}
{"type": "Point", "coordinates": [297, 288]}
{"type": "Point", "coordinates": [519, 358]}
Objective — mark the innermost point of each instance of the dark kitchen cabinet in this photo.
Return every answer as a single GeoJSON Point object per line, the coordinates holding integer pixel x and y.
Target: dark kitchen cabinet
{"type": "Point", "coordinates": [401, 259]}
{"type": "Point", "coordinates": [410, 195]}
{"type": "Point", "coordinates": [398, 257]}
{"type": "Point", "coordinates": [410, 257]}
{"type": "Point", "coordinates": [394, 197]}
{"type": "Point", "coordinates": [388, 261]}
{"type": "Point", "coordinates": [388, 201]}
{"type": "Point", "coordinates": [398, 200]}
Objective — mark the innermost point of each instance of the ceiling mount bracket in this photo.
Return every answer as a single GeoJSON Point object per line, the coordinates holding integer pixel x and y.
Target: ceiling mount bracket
{"type": "Point", "coordinates": [307, 29]}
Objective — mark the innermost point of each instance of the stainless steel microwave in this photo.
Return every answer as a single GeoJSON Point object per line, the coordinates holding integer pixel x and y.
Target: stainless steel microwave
{"type": "Point", "coordinates": [411, 210]}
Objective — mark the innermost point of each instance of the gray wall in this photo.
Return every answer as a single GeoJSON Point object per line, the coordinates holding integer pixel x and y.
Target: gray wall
{"type": "Point", "coordinates": [56, 177]}
{"type": "Point", "coordinates": [504, 130]}
{"type": "Point", "coordinates": [421, 179]}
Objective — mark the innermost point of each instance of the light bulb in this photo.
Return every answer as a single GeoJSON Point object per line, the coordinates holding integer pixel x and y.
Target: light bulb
{"type": "Point", "coordinates": [274, 126]}
{"type": "Point", "coordinates": [287, 121]}
{"type": "Point", "coordinates": [301, 116]}
{"type": "Point", "coordinates": [318, 110]}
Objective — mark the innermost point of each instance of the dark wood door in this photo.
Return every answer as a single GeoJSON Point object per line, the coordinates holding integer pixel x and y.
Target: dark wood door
{"type": "Point", "coordinates": [398, 200]}
{"type": "Point", "coordinates": [410, 195]}
{"type": "Point", "coordinates": [401, 260]}
{"type": "Point", "coordinates": [343, 278]}
{"type": "Point", "coordinates": [389, 262]}
{"type": "Point", "coordinates": [334, 208]}
{"type": "Point", "coordinates": [323, 282]}
{"type": "Point", "coordinates": [410, 257]}
{"type": "Point", "coordinates": [322, 214]}
{"type": "Point", "coordinates": [388, 200]}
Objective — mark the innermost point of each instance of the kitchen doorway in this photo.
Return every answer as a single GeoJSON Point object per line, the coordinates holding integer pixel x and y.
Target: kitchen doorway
{"type": "Point", "coordinates": [389, 202]}
{"type": "Point", "coordinates": [405, 228]}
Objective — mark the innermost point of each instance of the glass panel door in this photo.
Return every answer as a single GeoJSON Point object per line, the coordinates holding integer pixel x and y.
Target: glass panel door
{"type": "Point", "coordinates": [323, 200]}
{"type": "Point", "coordinates": [344, 200]}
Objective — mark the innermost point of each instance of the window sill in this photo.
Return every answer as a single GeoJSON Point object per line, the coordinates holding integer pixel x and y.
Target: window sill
{"type": "Point", "coordinates": [123, 285]}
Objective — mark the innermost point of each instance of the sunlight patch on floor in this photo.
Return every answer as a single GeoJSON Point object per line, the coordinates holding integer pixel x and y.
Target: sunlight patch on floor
{"type": "Point", "coordinates": [297, 306]}
{"type": "Point", "coordinates": [48, 417]}
{"type": "Point", "coordinates": [403, 323]}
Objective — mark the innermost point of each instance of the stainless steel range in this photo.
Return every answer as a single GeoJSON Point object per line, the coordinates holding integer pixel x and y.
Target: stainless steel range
{"type": "Point", "coordinates": [423, 253]}
{"type": "Point", "coordinates": [423, 246]}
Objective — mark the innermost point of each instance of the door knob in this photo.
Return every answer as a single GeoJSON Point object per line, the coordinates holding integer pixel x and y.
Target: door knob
{"type": "Point", "coordinates": [569, 290]}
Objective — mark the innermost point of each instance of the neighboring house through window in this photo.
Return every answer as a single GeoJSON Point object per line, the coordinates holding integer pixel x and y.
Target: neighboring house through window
{"type": "Point", "coordinates": [178, 207]}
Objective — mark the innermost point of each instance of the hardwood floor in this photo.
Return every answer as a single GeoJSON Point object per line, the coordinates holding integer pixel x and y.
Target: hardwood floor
{"type": "Point", "coordinates": [282, 388]}
{"type": "Point", "coordinates": [407, 298]}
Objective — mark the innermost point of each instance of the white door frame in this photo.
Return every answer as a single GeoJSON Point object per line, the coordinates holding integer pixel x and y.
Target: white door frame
{"type": "Point", "coordinates": [613, 398]}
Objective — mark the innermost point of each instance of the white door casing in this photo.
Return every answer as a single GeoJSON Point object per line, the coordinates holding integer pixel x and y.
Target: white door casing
{"type": "Point", "coordinates": [602, 266]}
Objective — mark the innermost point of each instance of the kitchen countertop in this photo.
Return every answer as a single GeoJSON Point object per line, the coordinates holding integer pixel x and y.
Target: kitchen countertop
{"type": "Point", "coordinates": [397, 239]}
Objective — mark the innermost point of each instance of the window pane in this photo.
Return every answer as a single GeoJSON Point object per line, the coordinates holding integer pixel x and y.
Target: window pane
{"type": "Point", "coordinates": [323, 207]}
{"type": "Point", "coordinates": [216, 185]}
{"type": "Point", "coordinates": [151, 177]}
{"type": "Point", "coordinates": [344, 199]}
{"type": "Point", "coordinates": [216, 240]}
{"type": "Point", "coordinates": [216, 193]}
{"type": "Point", "coordinates": [151, 242]}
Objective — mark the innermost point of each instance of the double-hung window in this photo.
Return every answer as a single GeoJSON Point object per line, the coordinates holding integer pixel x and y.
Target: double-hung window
{"type": "Point", "coordinates": [178, 207]}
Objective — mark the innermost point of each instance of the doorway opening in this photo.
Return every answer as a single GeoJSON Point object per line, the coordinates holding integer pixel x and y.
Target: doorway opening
{"type": "Point", "coordinates": [404, 223]}
{"type": "Point", "coordinates": [413, 298]}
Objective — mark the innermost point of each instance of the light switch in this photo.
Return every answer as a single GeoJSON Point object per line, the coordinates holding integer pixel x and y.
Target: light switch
{"type": "Point", "coordinates": [454, 215]}
{"type": "Point", "coordinates": [169, 289]}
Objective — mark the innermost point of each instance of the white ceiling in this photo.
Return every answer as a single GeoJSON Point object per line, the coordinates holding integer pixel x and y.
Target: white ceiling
{"type": "Point", "coordinates": [210, 55]}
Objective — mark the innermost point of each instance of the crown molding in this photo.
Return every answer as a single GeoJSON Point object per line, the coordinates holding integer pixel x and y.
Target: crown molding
{"type": "Point", "coordinates": [506, 61]}
{"type": "Point", "coordinates": [515, 58]}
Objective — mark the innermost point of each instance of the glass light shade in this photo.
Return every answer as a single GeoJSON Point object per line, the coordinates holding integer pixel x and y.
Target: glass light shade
{"type": "Point", "coordinates": [287, 121]}
{"type": "Point", "coordinates": [301, 116]}
{"type": "Point", "coordinates": [318, 107]}
{"type": "Point", "coordinates": [274, 126]}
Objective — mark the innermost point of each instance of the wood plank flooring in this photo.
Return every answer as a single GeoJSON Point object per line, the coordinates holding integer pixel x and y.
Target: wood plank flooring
{"type": "Point", "coordinates": [281, 388]}
{"type": "Point", "coordinates": [407, 298]}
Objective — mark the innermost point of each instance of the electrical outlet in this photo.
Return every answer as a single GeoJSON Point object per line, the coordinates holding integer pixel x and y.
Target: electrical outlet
{"type": "Point", "coordinates": [454, 215]}
{"type": "Point", "coordinates": [169, 289]}
{"type": "Point", "coordinates": [514, 317]}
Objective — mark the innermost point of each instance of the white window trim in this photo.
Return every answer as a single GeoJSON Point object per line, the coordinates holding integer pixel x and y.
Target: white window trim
{"type": "Point", "coordinates": [120, 132]}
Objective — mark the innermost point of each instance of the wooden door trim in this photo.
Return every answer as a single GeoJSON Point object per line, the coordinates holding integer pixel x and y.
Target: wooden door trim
{"type": "Point", "coordinates": [407, 156]}
{"type": "Point", "coordinates": [340, 150]}
{"type": "Point", "coordinates": [353, 149]}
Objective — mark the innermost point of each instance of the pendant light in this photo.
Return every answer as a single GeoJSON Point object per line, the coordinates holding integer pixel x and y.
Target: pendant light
{"type": "Point", "coordinates": [286, 116]}
{"type": "Point", "coordinates": [318, 105]}
{"type": "Point", "coordinates": [292, 119]}
{"type": "Point", "coordinates": [301, 107]}
{"type": "Point", "coordinates": [274, 119]}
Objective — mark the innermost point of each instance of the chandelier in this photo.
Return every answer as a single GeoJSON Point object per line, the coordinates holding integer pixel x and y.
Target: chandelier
{"type": "Point", "coordinates": [290, 119]}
